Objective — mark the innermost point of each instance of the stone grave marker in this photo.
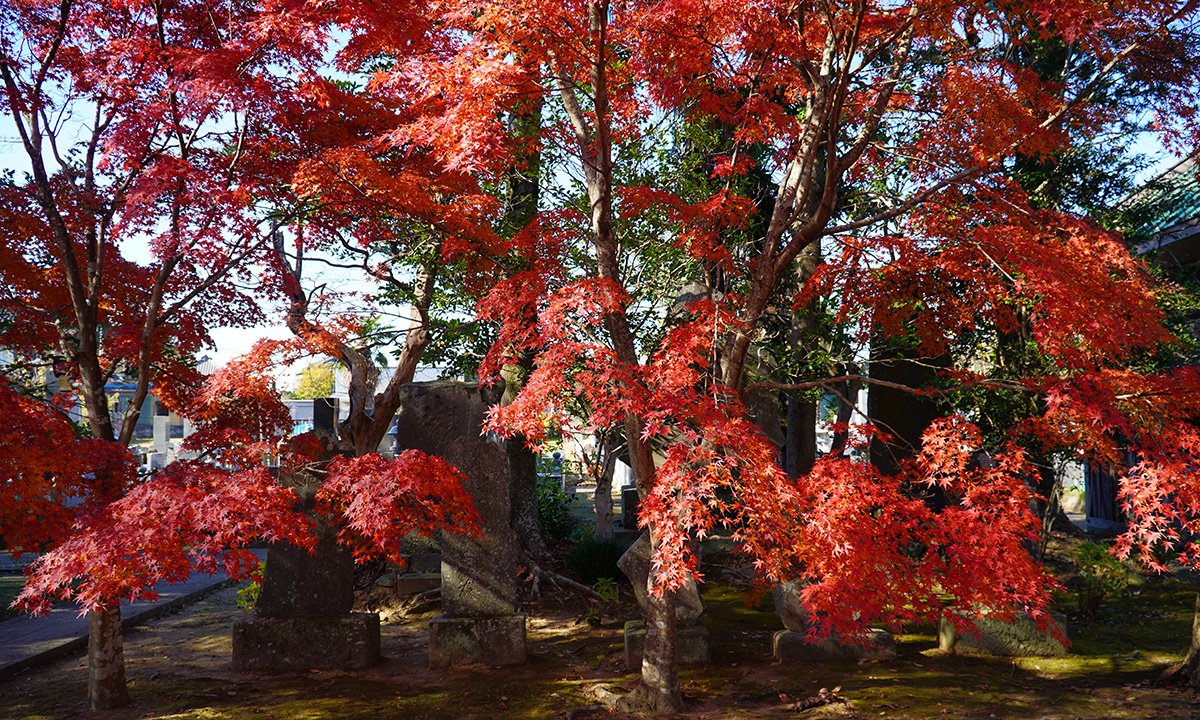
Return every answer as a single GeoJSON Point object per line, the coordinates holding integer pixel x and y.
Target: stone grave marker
{"type": "Point", "coordinates": [479, 622]}
{"type": "Point", "coordinates": [1019, 637]}
{"type": "Point", "coordinates": [302, 618]}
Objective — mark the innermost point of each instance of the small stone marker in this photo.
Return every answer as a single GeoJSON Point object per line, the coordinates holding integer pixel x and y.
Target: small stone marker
{"type": "Point", "coordinates": [629, 507]}
{"type": "Point", "coordinates": [692, 646]}
{"type": "Point", "coordinates": [793, 645]}
{"type": "Point", "coordinates": [479, 622]}
{"type": "Point", "coordinates": [162, 437]}
{"type": "Point", "coordinates": [1019, 637]}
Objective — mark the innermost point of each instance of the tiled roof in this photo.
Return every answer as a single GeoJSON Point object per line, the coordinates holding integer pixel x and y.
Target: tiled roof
{"type": "Point", "coordinates": [1173, 198]}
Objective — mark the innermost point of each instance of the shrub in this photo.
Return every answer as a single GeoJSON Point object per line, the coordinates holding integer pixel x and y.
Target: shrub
{"type": "Point", "coordinates": [554, 508]}
{"type": "Point", "coordinates": [594, 558]}
{"type": "Point", "coordinates": [1101, 575]}
{"type": "Point", "coordinates": [248, 595]}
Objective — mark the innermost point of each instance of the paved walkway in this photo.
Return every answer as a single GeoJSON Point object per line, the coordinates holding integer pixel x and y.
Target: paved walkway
{"type": "Point", "coordinates": [26, 641]}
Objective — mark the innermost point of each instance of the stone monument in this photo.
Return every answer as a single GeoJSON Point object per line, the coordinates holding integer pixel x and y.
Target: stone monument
{"type": "Point", "coordinates": [479, 622]}
{"type": "Point", "coordinates": [1018, 637]}
{"type": "Point", "coordinates": [302, 618]}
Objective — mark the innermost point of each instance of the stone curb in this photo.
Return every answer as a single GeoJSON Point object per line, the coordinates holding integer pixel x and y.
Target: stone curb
{"type": "Point", "coordinates": [68, 646]}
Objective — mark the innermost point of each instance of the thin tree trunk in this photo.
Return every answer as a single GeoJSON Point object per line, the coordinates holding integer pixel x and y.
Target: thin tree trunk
{"type": "Point", "coordinates": [106, 660]}
{"type": "Point", "coordinates": [602, 469]}
{"type": "Point", "coordinates": [660, 677]}
{"type": "Point", "coordinates": [1188, 669]}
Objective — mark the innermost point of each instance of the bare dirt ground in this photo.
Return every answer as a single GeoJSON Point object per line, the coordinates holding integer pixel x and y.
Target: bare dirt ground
{"type": "Point", "coordinates": [179, 667]}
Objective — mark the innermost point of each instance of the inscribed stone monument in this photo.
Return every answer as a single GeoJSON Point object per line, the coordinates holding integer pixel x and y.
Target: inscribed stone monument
{"type": "Point", "coordinates": [479, 622]}
{"type": "Point", "coordinates": [302, 616]}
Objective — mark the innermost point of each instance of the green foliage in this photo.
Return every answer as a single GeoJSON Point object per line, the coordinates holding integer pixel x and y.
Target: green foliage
{"type": "Point", "coordinates": [554, 508]}
{"type": "Point", "coordinates": [248, 595]}
{"type": "Point", "coordinates": [316, 381]}
{"type": "Point", "coordinates": [595, 558]}
{"type": "Point", "coordinates": [608, 590]}
{"type": "Point", "coordinates": [1101, 576]}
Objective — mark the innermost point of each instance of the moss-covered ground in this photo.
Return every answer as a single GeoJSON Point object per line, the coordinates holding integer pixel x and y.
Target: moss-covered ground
{"type": "Point", "coordinates": [179, 668]}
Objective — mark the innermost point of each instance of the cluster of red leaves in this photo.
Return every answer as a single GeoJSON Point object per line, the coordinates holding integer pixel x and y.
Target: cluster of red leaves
{"type": "Point", "coordinates": [190, 516]}
{"type": "Point", "coordinates": [381, 501]}
{"type": "Point", "coordinates": [48, 473]}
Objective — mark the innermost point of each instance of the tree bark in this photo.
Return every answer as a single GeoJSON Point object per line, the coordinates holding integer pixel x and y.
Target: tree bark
{"type": "Point", "coordinates": [106, 660]}
{"type": "Point", "coordinates": [660, 666]}
{"type": "Point", "coordinates": [1188, 669]}
{"type": "Point", "coordinates": [523, 508]}
{"type": "Point", "coordinates": [602, 470]}
{"type": "Point", "coordinates": [802, 413]}
{"type": "Point", "coordinates": [660, 677]}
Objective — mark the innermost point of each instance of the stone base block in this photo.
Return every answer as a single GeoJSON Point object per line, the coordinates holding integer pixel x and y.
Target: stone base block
{"type": "Point", "coordinates": [1018, 638]}
{"type": "Point", "coordinates": [340, 642]}
{"type": "Point", "coordinates": [692, 645]}
{"type": "Point", "coordinates": [469, 641]}
{"type": "Point", "coordinates": [414, 583]}
{"type": "Point", "coordinates": [794, 647]}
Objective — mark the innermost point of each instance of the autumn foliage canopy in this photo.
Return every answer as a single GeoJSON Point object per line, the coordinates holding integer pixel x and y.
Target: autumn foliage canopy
{"type": "Point", "coordinates": [721, 141]}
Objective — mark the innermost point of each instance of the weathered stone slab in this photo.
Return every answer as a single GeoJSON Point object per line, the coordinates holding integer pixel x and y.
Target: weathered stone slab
{"type": "Point", "coordinates": [692, 646]}
{"type": "Point", "coordinates": [492, 641]}
{"type": "Point", "coordinates": [1019, 637]}
{"type": "Point", "coordinates": [787, 603]}
{"type": "Point", "coordinates": [479, 575]}
{"type": "Point", "coordinates": [424, 562]}
{"type": "Point", "coordinates": [413, 583]}
{"type": "Point", "coordinates": [789, 647]}
{"type": "Point", "coordinates": [479, 621]}
{"type": "Point", "coordinates": [278, 643]}
{"type": "Point", "coordinates": [635, 563]}
{"type": "Point", "coordinates": [303, 618]}
{"type": "Point", "coordinates": [630, 501]}
{"type": "Point", "coordinates": [302, 584]}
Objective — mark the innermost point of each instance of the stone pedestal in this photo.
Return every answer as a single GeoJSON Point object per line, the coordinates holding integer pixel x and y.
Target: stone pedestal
{"type": "Point", "coordinates": [1019, 637]}
{"type": "Point", "coordinates": [337, 642]}
{"type": "Point", "coordinates": [789, 646]}
{"type": "Point", "coordinates": [492, 641]}
{"type": "Point", "coordinates": [692, 646]}
{"type": "Point", "coordinates": [479, 621]}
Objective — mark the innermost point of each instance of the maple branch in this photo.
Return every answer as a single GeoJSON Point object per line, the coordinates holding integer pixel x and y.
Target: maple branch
{"type": "Point", "coordinates": [1081, 96]}
{"type": "Point", "coordinates": [566, 92]}
{"type": "Point", "coordinates": [825, 383]}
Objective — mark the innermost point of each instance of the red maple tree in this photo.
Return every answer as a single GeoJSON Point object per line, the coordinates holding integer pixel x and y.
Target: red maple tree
{"type": "Point", "coordinates": [885, 132]}
{"type": "Point", "coordinates": [155, 125]}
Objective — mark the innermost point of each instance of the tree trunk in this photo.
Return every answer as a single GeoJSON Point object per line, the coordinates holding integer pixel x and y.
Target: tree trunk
{"type": "Point", "coordinates": [660, 667]}
{"type": "Point", "coordinates": [1188, 669]}
{"type": "Point", "coordinates": [603, 468]}
{"type": "Point", "coordinates": [523, 508]}
{"type": "Point", "coordinates": [106, 660]}
{"type": "Point", "coordinates": [801, 436]}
